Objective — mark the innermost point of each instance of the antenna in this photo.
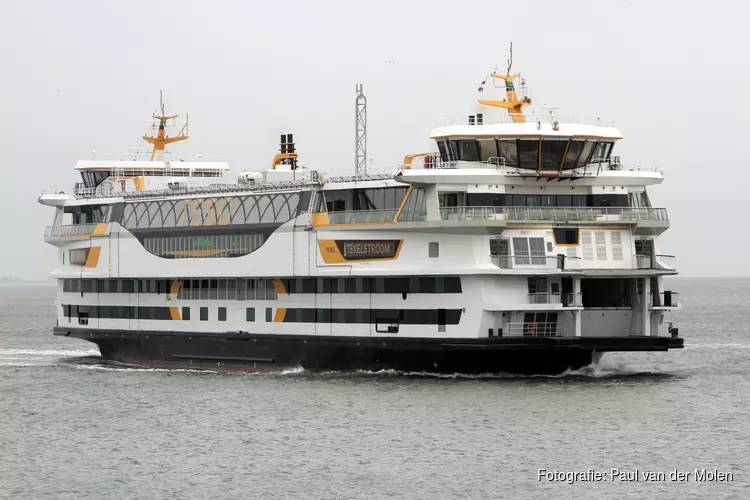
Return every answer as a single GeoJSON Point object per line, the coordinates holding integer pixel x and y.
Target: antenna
{"type": "Point", "coordinates": [360, 136]}
{"type": "Point", "coordinates": [510, 59]}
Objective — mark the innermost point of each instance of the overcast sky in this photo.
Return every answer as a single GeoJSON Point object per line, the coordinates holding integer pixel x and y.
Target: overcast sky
{"type": "Point", "coordinates": [82, 76]}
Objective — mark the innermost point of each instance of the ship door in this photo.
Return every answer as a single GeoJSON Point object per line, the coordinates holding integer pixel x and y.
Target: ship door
{"type": "Point", "coordinates": [567, 291]}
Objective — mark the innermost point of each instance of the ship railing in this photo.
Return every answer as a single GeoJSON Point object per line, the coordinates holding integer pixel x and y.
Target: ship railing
{"type": "Point", "coordinates": [564, 214]}
{"type": "Point", "coordinates": [667, 298]}
{"type": "Point", "coordinates": [533, 329]}
{"type": "Point", "coordinates": [70, 230]}
{"type": "Point", "coordinates": [536, 261]}
{"type": "Point", "coordinates": [530, 118]}
{"type": "Point", "coordinates": [642, 261]}
{"type": "Point", "coordinates": [665, 262]}
{"type": "Point", "coordinates": [361, 216]}
{"type": "Point", "coordinates": [565, 299]}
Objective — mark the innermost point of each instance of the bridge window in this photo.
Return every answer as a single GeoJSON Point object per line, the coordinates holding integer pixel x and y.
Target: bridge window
{"type": "Point", "coordinates": [528, 151]}
{"type": "Point", "coordinates": [601, 152]}
{"type": "Point", "coordinates": [508, 152]}
{"type": "Point", "coordinates": [488, 150]}
{"type": "Point", "coordinates": [571, 157]}
{"type": "Point", "coordinates": [469, 150]}
{"type": "Point", "coordinates": [443, 147]}
{"type": "Point", "coordinates": [552, 153]}
{"type": "Point", "coordinates": [588, 148]}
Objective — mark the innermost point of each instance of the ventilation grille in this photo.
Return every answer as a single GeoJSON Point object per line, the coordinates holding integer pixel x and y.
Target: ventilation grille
{"type": "Point", "coordinates": [616, 245]}
{"type": "Point", "coordinates": [433, 250]}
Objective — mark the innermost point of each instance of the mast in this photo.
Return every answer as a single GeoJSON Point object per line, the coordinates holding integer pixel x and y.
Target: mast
{"type": "Point", "coordinates": [513, 104]}
{"type": "Point", "coordinates": [161, 140]}
{"type": "Point", "coordinates": [360, 135]}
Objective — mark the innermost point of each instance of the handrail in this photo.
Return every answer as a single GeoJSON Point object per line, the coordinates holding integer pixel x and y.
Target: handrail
{"type": "Point", "coordinates": [543, 118]}
{"type": "Point", "coordinates": [592, 214]}
{"type": "Point", "coordinates": [539, 261]}
{"type": "Point", "coordinates": [566, 299]}
{"type": "Point", "coordinates": [361, 216]}
{"type": "Point", "coordinates": [70, 229]}
{"type": "Point", "coordinates": [533, 329]}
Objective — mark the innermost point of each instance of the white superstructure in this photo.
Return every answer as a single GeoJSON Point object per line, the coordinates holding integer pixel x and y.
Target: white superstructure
{"type": "Point", "coordinates": [519, 246]}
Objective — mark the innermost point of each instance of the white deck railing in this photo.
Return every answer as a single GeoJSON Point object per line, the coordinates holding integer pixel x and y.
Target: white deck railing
{"type": "Point", "coordinates": [533, 329]}
{"type": "Point", "coordinates": [566, 299]}
{"type": "Point", "coordinates": [562, 214]}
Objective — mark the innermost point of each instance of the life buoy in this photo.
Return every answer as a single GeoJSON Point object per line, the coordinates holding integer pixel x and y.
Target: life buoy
{"type": "Point", "coordinates": [532, 328]}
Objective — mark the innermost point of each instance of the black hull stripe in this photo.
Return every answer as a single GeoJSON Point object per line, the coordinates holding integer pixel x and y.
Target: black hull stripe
{"type": "Point", "coordinates": [292, 315]}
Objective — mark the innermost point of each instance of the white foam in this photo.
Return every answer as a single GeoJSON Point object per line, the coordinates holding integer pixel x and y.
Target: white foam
{"type": "Point", "coordinates": [46, 352]}
{"type": "Point", "coordinates": [718, 346]}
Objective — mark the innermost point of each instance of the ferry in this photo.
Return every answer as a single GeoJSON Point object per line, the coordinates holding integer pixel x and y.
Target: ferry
{"type": "Point", "coordinates": [520, 244]}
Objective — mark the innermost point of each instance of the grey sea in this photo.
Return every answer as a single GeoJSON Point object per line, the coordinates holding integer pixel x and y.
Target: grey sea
{"type": "Point", "coordinates": [73, 426]}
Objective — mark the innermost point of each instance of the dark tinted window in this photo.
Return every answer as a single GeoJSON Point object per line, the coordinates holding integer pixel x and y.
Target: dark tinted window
{"type": "Point", "coordinates": [552, 153]}
{"type": "Point", "coordinates": [528, 151]}
{"type": "Point", "coordinates": [222, 314]}
{"type": "Point", "coordinates": [571, 157]}
{"type": "Point", "coordinates": [186, 314]}
{"type": "Point", "coordinates": [565, 235]}
{"type": "Point", "coordinates": [469, 150]}
{"type": "Point", "coordinates": [508, 152]}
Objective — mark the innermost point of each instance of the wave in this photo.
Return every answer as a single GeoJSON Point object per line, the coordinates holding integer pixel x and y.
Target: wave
{"type": "Point", "coordinates": [718, 346]}
{"type": "Point", "coordinates": [47, 352]}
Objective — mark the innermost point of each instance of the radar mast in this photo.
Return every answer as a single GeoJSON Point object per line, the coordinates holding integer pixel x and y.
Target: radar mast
{"type": "Point", "coordinates": [512, 104]}
{"type": "Point", "coordinates": [160, 140]}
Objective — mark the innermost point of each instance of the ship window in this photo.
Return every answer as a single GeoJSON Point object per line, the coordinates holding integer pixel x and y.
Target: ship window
{"type": "Point", "coordinates": [508, 152]}
{"type": "Point", "coordinates": [571, 157]}
{"type": "Point", "coordinates": [601, 152]}
{"type": "Point", "coordinates": [533, 200]}
{"type": "Point", "coordinates": [469, 150]}
{"type": "Point", "coordinates": [443, 147]}
{"type": "Point", "coordinates": [269, 315]}
{"type": "Point", "coordinates": [78, 256]}
{"type": "Point", "coordinates": [222, 314]}
{"type": "Point", "coordinates": [552, 153]}
{"type": "Point", "coordinates": [549, 200]}
{"type": "Point", "coordinates": [588, 148]}
{"type": "Point", "coordinates": [565, 235]}
{"type": "Point", "coordinates": [488, 149]}
{"type": "Point", "coordinates": [415, 208]}
{"type": "Point", "coordinates": [528, 151]}
{"type": "Point", "coordinates": [563, 200]}
{"type": "Point", "coordinates": [204, 313]}
{"type": "Point", "coordinates": [250, 314]}
{"type": "Point", "coordinates": [185, 314]}
{"type": "Point", "coordinates": [453, 150]}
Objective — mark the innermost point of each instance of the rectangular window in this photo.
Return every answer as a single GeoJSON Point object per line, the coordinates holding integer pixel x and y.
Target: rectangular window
{"type": "Point", "coordinates": [565, 235]}
{"type": "Point", "coordinates": [521, 251]}
{"type": "Point", "coordinates": [204, 313]}
{"type": "Point", "coordinates": [552, 153]}
{"type": "Point", "coordinates": [78, 256]}
{"type": "Point", "coordinates": [269, 315]}
{"type": "Point", "coordinates": [528, 151]}
{"type": "Point", "coordinates": [222, 314]}
{"type": "Point", "coordinates": [508, 152]}
{"type": "Point", "coordinates": [185, 314]}
{"type": "Point", "coordinates": [469, 150]}
{"type": "Point", "coordinates": [250, 314]}
{"type": "Point", "coordinates": [488, 150]}
{"type": "Point", "coordinates": [538, 253]}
